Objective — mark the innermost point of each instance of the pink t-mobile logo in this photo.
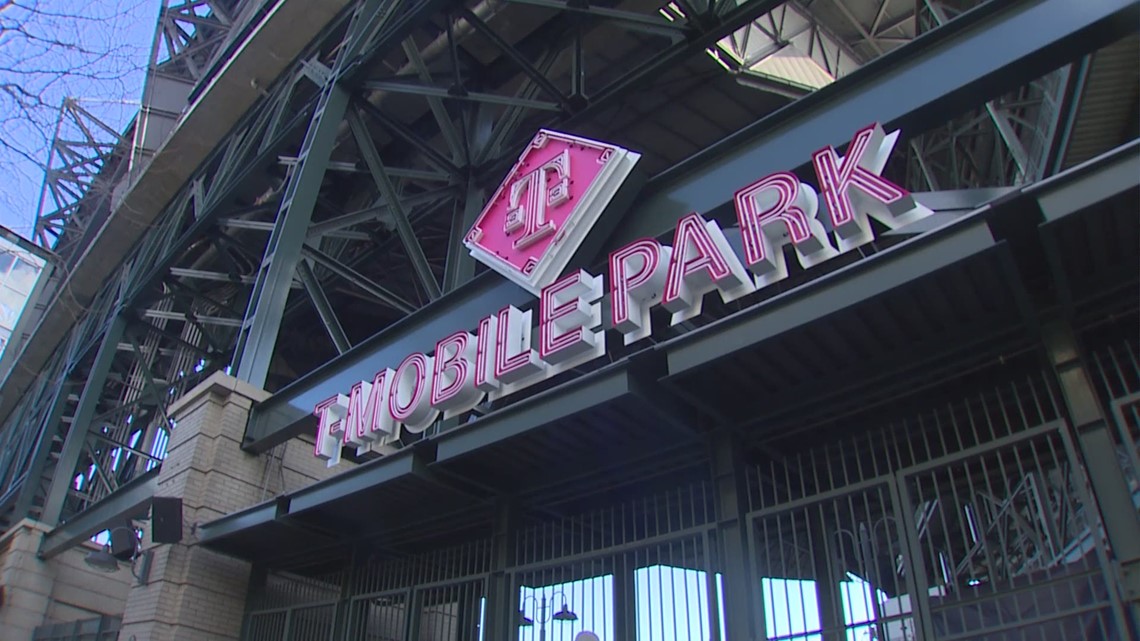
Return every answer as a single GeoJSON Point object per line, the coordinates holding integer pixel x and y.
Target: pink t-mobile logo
{"type": "Point", "coordinates": [539, 216]}
{"type": "Point", "coordinates": [531, 195]}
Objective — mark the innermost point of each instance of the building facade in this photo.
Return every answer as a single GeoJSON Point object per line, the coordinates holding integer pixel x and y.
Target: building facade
{"type": "Point", "coordinates": [532, 319]}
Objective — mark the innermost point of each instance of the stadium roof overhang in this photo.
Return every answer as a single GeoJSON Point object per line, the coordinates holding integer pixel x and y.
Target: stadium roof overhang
{"type": "Point", "coordinates": [903, 318]}
{"type": "Point", "coordinates": [898, 89]}
{"type": "Point", "coordinates": [269, 48]}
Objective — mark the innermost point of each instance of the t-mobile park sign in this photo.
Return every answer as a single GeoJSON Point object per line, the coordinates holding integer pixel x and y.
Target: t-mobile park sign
{"type": "Point", "coordinates": [539, 217]}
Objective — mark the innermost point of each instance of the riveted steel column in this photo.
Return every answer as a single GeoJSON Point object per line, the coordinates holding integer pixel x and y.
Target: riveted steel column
{"type": "Point", "coordinates": [258, 337]}
{"type": "Point", "coordinates": [501, 620]}
{"type": "Point", "coordinates": [1098, 449]}
{"type": "Point", "coordinates": [41, 452]}
{"type": "Point", "coordinates": [728, 480]}
{"type": "Point", "coordinates": [460, 266]}
{"type": "Point", "coordinates": [81, 422]}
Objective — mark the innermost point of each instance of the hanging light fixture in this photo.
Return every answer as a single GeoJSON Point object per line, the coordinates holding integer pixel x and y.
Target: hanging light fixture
{"type": "Point", "coordinates": [565, 614]}
{"type": "Point", "coordinates": [102, 559]}
{"type": "Point", "coordinates": [524, 620]}
{"type": "Point", "coordinates": [105, 559]}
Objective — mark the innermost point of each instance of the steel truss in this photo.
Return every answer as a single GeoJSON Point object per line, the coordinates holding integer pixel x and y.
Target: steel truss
{"type": "Point", "coordinates": [84, 162]}
{"type": "Point", "coordinates": [340, 200]}
{"type": "Point", "coordinates": [190, 33]}
{"type": "Point", "coordinates": [1006, 141]}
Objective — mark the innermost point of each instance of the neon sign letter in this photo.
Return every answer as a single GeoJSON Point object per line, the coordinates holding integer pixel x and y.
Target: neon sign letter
{"type": "Point", "coordinates": [408, 400]}
{"type": "Point", "coordinates": [701, 262]}
{"type": "Point", "coordinates": [330, 414]}
{"type": "Point", "coordinates": [367, 419]}
{"type": "Point", "coordinates": [453, 382]}
{"type": "Point", "coordinates": [569, 317]}
{"type": "Point", "coordinates": [633, 294]}
{"type": "Point", "coordinates": [514, 359]}
{"type": "Point", "coordinates": [853, 189]}
{"type": "Point", "coordinates": [773, 211]}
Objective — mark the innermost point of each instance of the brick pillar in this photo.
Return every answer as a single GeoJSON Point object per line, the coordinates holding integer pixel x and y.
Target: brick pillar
{"type": "Point", "coordinates": [194, 593]}
{"type": "Point", "coordinates": [59, 590]}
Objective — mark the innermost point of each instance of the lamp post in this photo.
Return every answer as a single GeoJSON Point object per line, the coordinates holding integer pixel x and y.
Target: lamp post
{"type": "Point", "coordinates": [543, 615]}
{"type": "Point", "coordinates": [865, 545]}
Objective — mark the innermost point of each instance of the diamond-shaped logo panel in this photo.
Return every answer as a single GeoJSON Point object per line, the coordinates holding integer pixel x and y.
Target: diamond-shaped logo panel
{"type": "Point", "coordinates": [541, 213]}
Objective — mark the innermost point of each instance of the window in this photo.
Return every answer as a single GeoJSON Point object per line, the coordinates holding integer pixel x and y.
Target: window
{"type": "Point", "coordinates": [158, 447]}
{"type": "Point", "coordinates": [23, 276]}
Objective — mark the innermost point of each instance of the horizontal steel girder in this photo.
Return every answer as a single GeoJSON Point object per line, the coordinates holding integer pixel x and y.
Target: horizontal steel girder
{"type": "Point", "coordinates": [420, 89]}
{"type": "Point", "coordinates": [130, 501]}
{"type": "Point", "coordinates": [914, 87]}
{"type": "Point", "coordinates": [924, 81]}
{"type": "Point", "coordinates": [181, 316]}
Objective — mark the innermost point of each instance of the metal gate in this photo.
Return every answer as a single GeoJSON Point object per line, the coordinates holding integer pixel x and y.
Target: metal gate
{"type": "Point", "coordinates": [826, 565]}
{"type": "Point", "coordinates": [1010, 544]}
{"type": "Point", "coordinates": [294, 608]}
{"type": "Point", "coordinates": [964, 524]}
{"type": "Point", "coordinates": [1116, 372]}
{"type": "Point", "coordinates": [973, 520]}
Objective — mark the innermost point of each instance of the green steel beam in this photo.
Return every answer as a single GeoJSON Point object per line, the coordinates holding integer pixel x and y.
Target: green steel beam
{"type": "Point", "coordinates": [460, 266]}
{"type": "Point", "coordinates": [39, 459]}
{"type": "Point", "coordinates": [131, 501]}
{"type": "Point", "coordinates": [257, 339]}
{"type": "Point", "coordinates": [81, 422]}
{"type": "Point", "coordinates": [356, 279]}
{"type": "Point", "coordinates": [371, 157]}
{"type": "Point", "coordinates": [324, 309]}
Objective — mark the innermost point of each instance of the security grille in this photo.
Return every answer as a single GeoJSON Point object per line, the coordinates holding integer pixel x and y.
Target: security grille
{"type": "Point", "coordinates": [970, 520]}
{"type": "Point", "coordinates": [964, 522]}
{"type": "Point", "coordinates": [1117, 371]}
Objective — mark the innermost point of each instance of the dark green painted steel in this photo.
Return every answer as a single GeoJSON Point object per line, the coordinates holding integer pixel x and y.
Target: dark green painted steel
{"type": "Point", "coordinates": [914, 87]}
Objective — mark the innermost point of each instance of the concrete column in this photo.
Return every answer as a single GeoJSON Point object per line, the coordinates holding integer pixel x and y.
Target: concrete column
{"type": "Point", "coordinates": [194, 593]}
{"type": "Point", "coordinates": [59, 590]}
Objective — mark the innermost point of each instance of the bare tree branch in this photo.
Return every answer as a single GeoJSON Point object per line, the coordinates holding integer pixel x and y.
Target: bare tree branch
{"type": "Point", "coordinates": [51, 50]}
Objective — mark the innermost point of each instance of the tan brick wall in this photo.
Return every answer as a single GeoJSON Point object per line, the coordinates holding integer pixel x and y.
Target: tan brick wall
{"type": "Point", "coordinates": [59, 590]}
{"type": "Point", "coordinates": [195, 593]}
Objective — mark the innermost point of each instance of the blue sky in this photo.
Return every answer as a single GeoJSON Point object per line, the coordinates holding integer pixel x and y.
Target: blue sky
{"type": "Point", "coordinates": [96, 50]}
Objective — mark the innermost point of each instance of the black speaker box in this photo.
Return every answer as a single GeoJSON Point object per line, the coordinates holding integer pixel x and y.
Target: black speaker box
{"type": "Point", "coordinates": [123, 542]}
{"type": "Point", "coordinates": [166, 520]}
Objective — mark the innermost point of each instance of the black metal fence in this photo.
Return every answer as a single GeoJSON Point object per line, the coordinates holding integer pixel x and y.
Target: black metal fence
{"type": "Point", "coordinates": [973, 520]}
